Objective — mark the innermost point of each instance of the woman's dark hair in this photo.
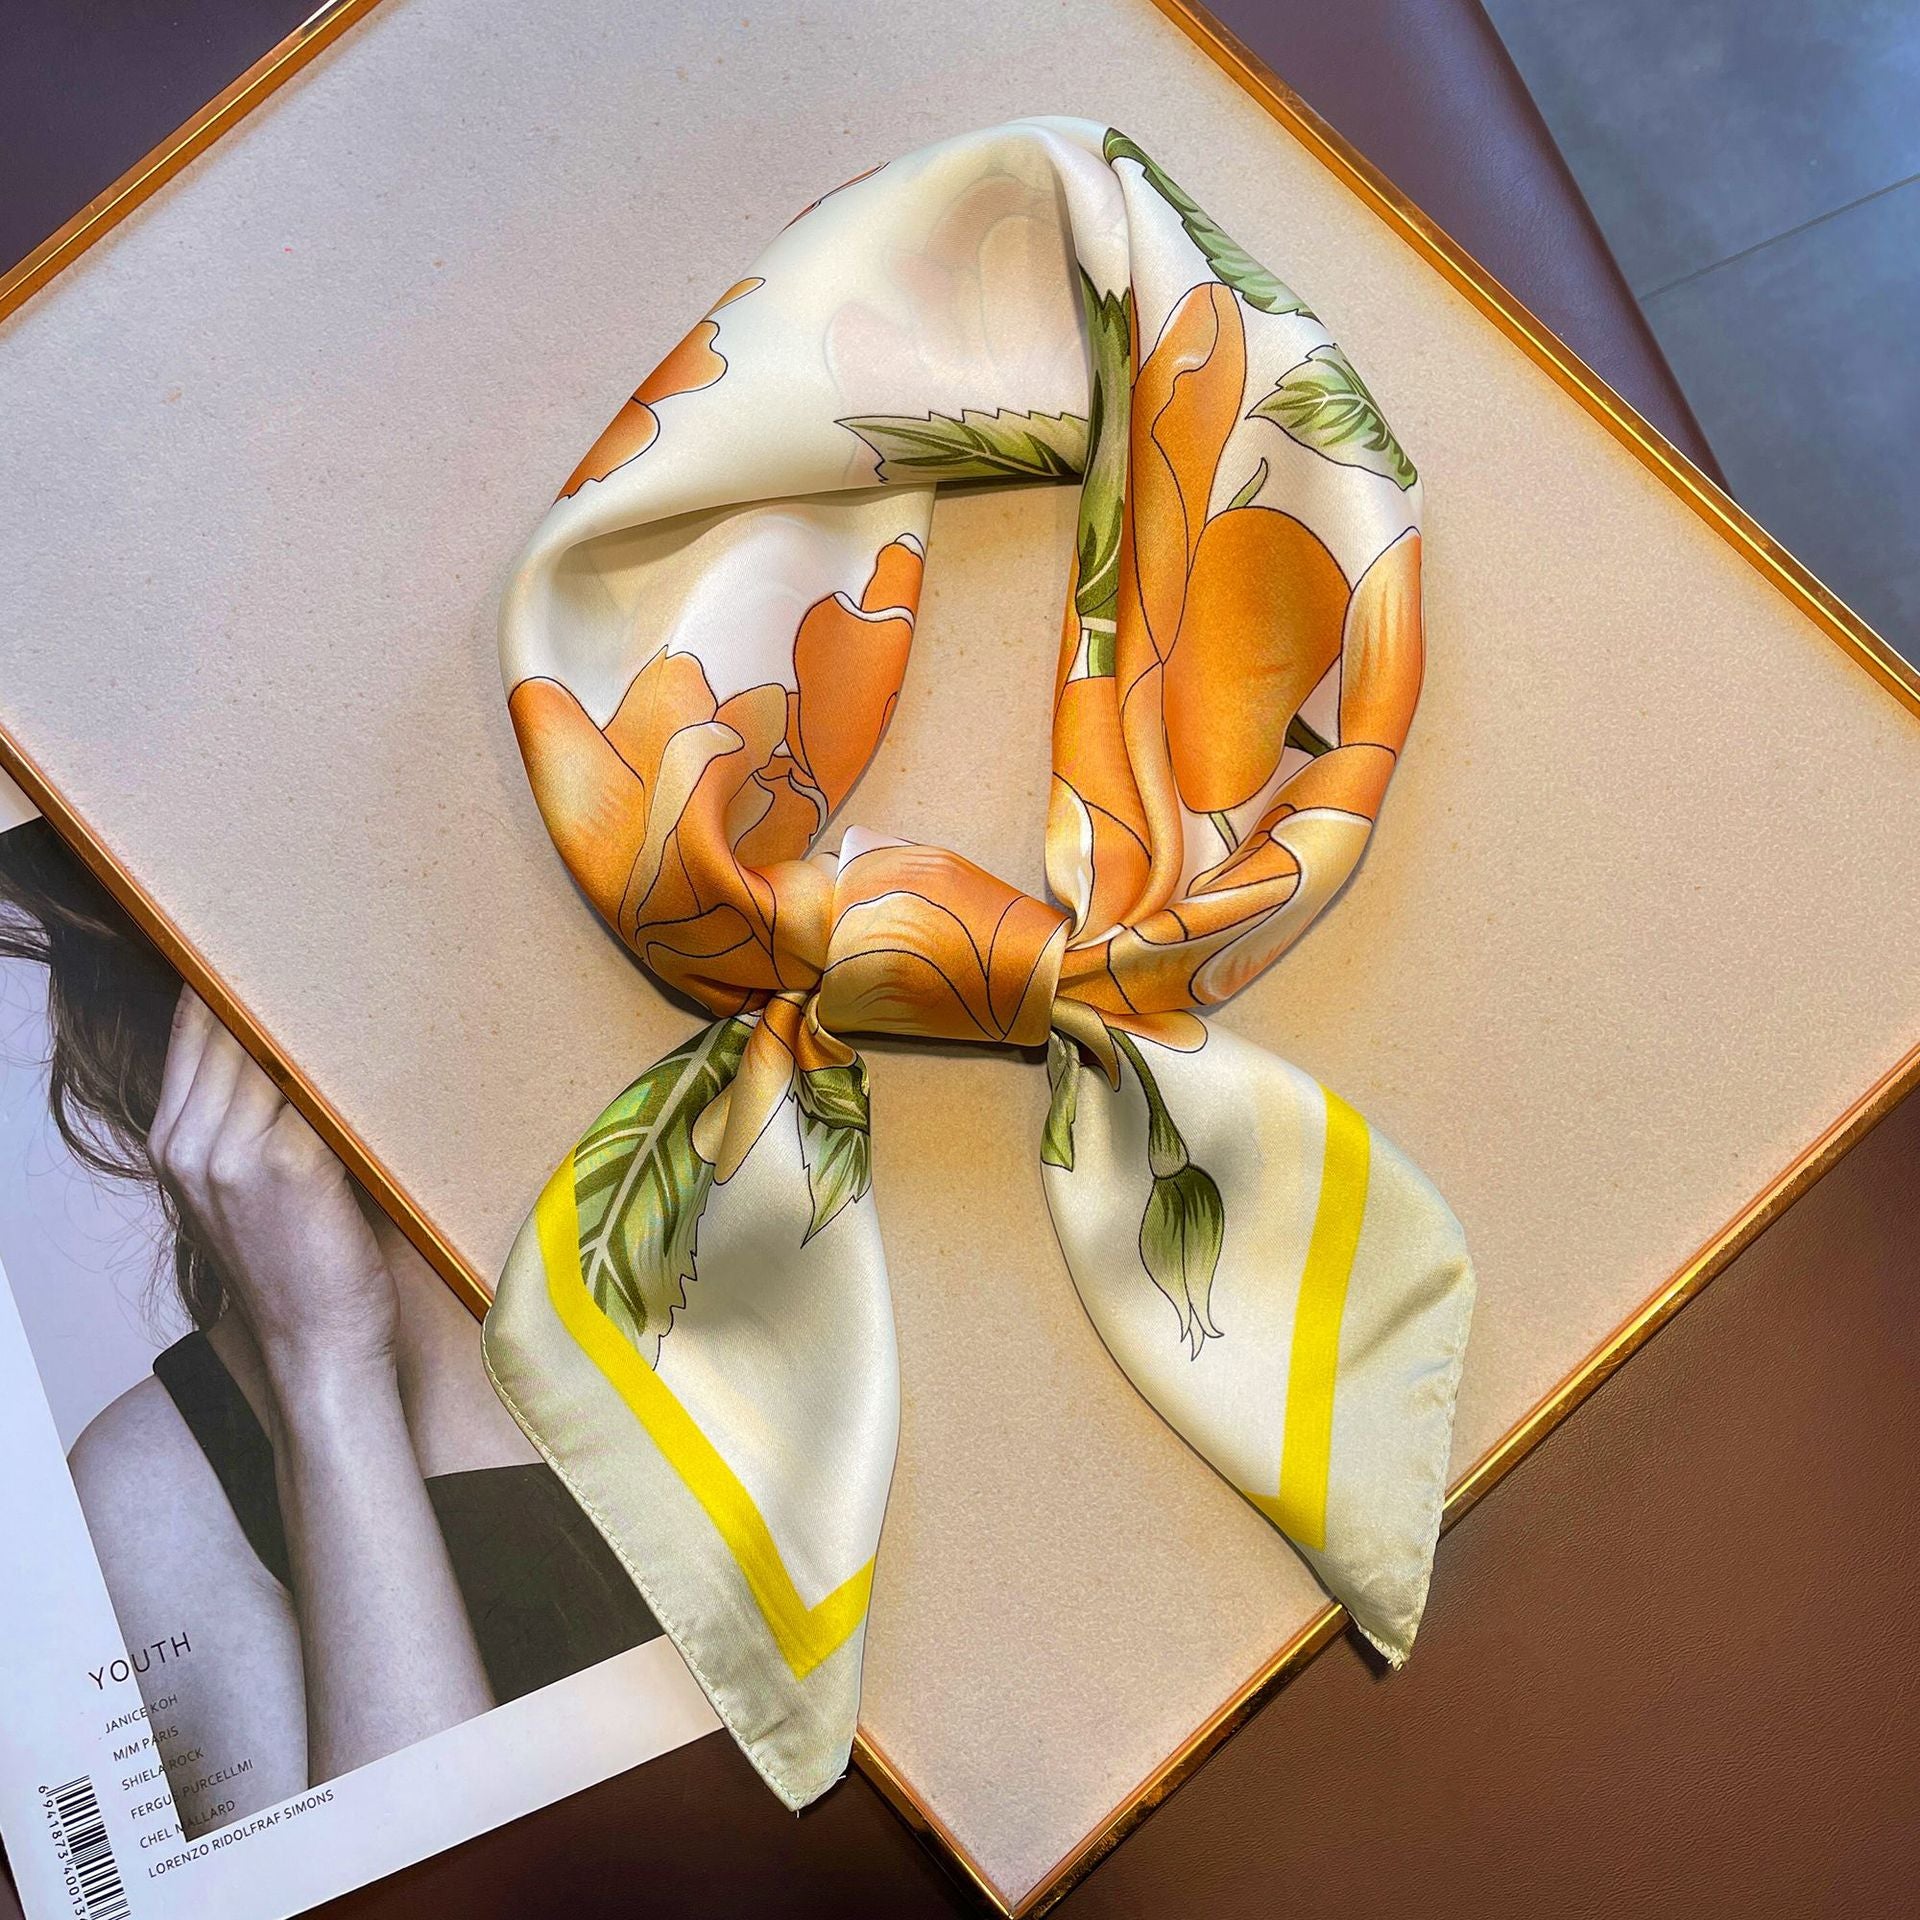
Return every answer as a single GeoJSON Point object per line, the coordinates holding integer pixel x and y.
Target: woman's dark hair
{"type": "Point", "coordinates": [110, 1005]}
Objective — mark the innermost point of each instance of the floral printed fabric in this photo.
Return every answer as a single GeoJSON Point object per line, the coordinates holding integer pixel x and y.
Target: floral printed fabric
{"type": "Point", "coordinates": [702, 647]}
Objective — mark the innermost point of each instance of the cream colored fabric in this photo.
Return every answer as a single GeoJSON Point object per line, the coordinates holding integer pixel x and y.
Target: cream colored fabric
{"type": "Point", "coordinates": [703, 644]}
{"type": "Point", "coordinates": [1371, 1385]}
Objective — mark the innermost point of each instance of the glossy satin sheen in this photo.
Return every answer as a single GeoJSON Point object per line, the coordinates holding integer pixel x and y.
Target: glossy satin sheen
{"type": "Point", "coordinates": [702, 646]}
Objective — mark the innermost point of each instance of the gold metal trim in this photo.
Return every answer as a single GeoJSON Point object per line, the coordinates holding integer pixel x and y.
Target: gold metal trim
{"type": "Point", "coordinates": [1465, 274]}
{"type": "Point", "coordinates": [153, 170]}
{"type": "Point", "coordinates": [927, 1827]}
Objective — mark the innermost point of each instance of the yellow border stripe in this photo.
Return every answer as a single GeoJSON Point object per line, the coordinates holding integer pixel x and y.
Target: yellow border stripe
{"type": "Point", "coordinates": [1300, 1508]}
{"type": "Point", "coordinates": [805, 1635]}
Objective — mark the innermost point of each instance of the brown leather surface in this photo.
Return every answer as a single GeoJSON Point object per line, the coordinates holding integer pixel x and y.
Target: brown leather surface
{"type": "Point", "coordinates": [695, 1834]}
{"type": "Point", "coordinates": [1425, 89]}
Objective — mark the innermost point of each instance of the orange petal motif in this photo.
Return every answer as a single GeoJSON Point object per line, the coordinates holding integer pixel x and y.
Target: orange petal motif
{"type": "Point", "coordinates": [1097, 831]}
{"type": "Point", "coordinates": [667, 731]}
{"type": "Point", "coordinates": [787, 1041]}
{"type": "Point", "coordinates": [925, 942]}
{"type": "Point", "coordinates": [1352, 779]}
{"type": "Point", "coordinates": [794, 815]}
{"type": "Point", "coordinates": [1186, 401]}
{"type": "Point", "coordinates": [1261, 626]}
{"type": "Point", "coordinates": [693, 364]}
{"type": "Point", "coordinates": [668, 694]}
{"type": "Point", "coordinates": [1140, 678]}
{"type": "Point", "coordinates": [850, 661]}
{"type": "Point", "coordinates": [1149, 968]}
{"type": "Point", "coordinates": [594, 804]}
{"type": "Point", "coordinates": [709, 926]}
{"type": "Point", "coordinates": [1384, 651]}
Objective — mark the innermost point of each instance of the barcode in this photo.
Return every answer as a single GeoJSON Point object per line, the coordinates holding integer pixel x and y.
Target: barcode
{"type": "Point", "coordinates": [96, 1876]}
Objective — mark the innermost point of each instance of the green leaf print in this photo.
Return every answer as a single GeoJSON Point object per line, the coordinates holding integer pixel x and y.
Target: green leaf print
{"type": "Point", "coordinates": [1250, 491]}
{"type": "Point", "coordinates": [640, 1185]}
{"type": "Point", "coordinates": [976, 446]}
{"type": "Point", "coordinates": [1180, 1238]}
{"type": "Point", "coordinates": [1185, 1224]}
{"type": "Point", "coordinates": [1103, 490]}
{"type": "Point", "coordinates": [1063, 1078]}
{"type": "Point", "coordinates": [1324, 404]}
{"type": "Point", "coordinates": [835, 1141]}
{"type": "Point", "coordinates": [1238, 268]}
{"type": "Point", "coordinates": [1308, 738]}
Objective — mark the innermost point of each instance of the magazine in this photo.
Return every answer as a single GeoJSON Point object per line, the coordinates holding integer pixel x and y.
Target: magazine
{"type": "Point", "coordinates": [290, 1601]}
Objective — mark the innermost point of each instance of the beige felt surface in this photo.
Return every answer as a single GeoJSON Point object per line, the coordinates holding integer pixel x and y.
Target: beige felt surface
{"type": "Point", "coordinates": [1640, 920]}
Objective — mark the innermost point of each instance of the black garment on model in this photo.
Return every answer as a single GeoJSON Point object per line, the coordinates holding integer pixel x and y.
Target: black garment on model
{"type": "Point", "coordinates": [544, 1593]}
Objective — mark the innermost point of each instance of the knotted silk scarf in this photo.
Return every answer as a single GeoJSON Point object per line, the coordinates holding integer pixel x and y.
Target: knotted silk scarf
{"type": "Point", "coordinates": [703, 644]}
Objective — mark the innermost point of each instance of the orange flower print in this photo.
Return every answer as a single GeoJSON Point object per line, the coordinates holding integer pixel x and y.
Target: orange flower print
{"type": "Point", "coordinates": [1226, 624]}
{"type": "Point", "coordinates": [1244, 608]}
{"type": "Point", "coordinates": [686, 820]}
{"type": "Point", "coordinates": [1188, 396]}
{"type": "Point", "coordinates": [693, 364]}
{"type": "Point", "coordinates": [1383, 653]}
{"type": "Point", "coordinates": [635, 810]}
{"type": "Point", "coordinates": [1186, 401]}
{"type": "Point", "coordinates": [1319, 849]}
{"type": "Point", "coordinates": [1098, 836]}
{"type": "Point", "coordinates": [1241, 915]}
{"type": "Point", "coordinates": [594, 800]}
{"type": "Point", "coordinates": [925, 942]}
{"type": "Point", "coordinates": [1151, 967]}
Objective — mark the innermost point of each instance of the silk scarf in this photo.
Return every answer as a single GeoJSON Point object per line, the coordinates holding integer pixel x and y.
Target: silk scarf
{"type": "Point", "coordinates": [703, 644]}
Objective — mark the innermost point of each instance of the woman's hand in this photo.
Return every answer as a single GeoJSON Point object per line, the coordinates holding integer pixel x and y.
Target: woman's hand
{"type": "Point", "coordinates": [269, 1201]}
{"type": "Point", "coordinates": [387, 1650]}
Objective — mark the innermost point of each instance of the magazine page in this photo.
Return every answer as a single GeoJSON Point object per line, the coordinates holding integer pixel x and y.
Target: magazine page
{"type": "Point", "coordinates": [291, 1601]}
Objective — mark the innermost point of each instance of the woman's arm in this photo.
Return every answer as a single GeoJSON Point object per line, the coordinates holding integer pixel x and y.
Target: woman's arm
{"type": "Point", "coordinates": [386, 1646]}
{"type": "Point", "coordinates": [230, 1719]}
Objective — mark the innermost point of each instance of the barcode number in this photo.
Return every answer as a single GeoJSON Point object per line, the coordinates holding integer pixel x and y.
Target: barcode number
{"type": "Point", "coordinates": [96, 1876]}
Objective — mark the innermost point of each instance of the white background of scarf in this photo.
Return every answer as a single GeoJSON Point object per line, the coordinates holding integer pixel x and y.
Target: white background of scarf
{"type": "Point", "coordinates": [1639, 919]}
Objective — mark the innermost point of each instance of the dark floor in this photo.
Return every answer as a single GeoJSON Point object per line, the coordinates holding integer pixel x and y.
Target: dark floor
{"type": "Point", "coordinates": [1756, 167]}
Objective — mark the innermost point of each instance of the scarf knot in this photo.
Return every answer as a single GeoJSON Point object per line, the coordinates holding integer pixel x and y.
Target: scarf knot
{"type": "Point", "coordinates": [925, 942]}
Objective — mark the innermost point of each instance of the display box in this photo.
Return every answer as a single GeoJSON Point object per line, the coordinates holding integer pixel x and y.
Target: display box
{"type": "Point", "coordinates": [1636, 948]}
